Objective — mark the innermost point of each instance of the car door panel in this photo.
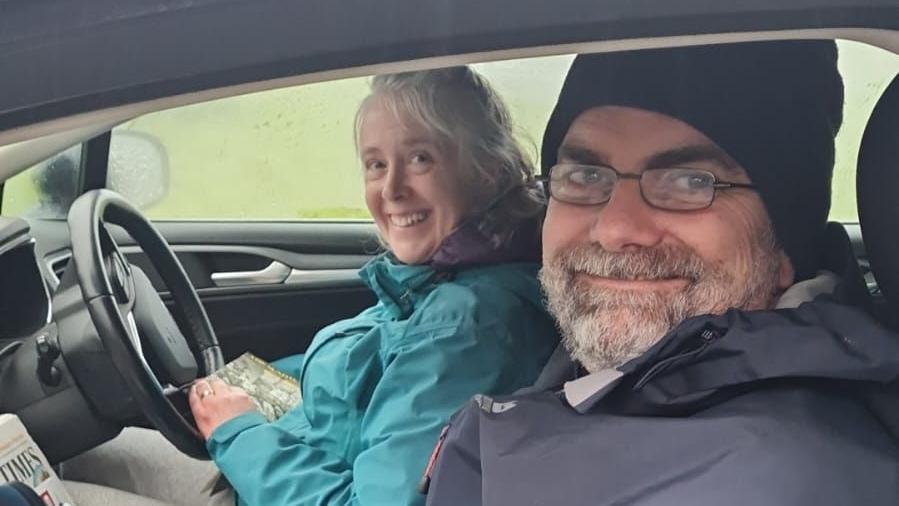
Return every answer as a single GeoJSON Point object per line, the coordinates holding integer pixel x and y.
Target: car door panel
{"type": "Point", "coordinates": [316, 282]}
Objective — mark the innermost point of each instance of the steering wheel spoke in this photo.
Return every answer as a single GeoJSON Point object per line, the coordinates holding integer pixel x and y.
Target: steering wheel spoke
{"type": "Point", "coordinates": [134, 336]}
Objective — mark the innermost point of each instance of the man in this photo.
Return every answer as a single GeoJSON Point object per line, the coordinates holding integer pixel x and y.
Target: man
{"type": "Point", "coordinates": [689, 195]}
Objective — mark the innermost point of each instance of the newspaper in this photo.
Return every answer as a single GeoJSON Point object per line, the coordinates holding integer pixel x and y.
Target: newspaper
{"type": "Point", "coordinates": [22, 460]}
{"type": "Point", "coordinates": [274, 392]}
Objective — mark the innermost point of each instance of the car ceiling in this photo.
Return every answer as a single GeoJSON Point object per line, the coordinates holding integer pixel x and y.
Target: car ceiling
{"type": "Point", "coordinates": [60, 58]}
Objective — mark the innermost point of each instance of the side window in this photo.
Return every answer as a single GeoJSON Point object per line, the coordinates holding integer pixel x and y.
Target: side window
{"type": "Point", "coordinates": [866, 71]}
{"type": "Point", "coordinates": [284, 154]}
{"type": "Point", "coordinates": [289, 154]}
{"type": "Point", "coordinates": [530, 88]}
{"type": "Point", "coordinates": [45, 190]}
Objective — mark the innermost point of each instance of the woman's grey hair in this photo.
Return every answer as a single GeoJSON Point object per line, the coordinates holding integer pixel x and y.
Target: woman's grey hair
{"type": "Point", "coordinates": [463, 112]}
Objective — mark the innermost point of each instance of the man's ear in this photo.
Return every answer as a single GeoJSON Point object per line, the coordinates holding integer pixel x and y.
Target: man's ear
{"type": "Point", "coordinates": [786, 275]}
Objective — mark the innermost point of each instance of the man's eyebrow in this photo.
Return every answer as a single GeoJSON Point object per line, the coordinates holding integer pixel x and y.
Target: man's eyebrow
{"type": "Point", "coordinates": [684, 156]}
{"type": "Point", "coordinates": [580, 154]}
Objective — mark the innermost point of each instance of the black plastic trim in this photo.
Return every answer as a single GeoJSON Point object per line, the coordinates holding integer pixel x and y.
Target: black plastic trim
{"type": "Point", "coordinates": [95, 162]}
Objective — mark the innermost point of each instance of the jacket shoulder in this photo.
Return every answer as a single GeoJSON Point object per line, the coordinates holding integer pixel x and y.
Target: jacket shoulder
{"type": "Point", "coordinates": [481, 405]}
{"type": "Point", "coordinates": [499, 307]}
{"type": "Point", "coordinates": [517, 278]}
{"type": "Point", "coordinates": [494, 290]}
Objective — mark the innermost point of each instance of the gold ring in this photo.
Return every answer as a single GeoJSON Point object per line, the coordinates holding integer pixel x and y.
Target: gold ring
{"type": "Point", "coordinates": [206, 393]}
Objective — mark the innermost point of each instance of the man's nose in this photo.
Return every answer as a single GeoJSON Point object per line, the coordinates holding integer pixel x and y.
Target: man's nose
{"type": "Point", "coordinates": [395, 184]}
{"type": "Point", "coordinates": [626, 221]}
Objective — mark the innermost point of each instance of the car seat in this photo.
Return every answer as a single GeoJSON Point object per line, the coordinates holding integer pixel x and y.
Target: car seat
{"type": "Point", "coordinates": [877, 187]}
{"type": "Point", "coordinates": [839, 257]}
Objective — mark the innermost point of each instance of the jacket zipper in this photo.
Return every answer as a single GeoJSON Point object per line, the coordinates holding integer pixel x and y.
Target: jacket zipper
{"type": "Point", "coordinates": [708, 336]}
{"type": "Point", "coordinates": [425, 483]}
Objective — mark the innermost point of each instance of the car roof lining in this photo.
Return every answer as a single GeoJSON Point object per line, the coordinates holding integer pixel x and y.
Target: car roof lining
{"type": "Point", "coordinates": [23, 146]}
{"type": "Point", "coordinates": [70, 58]}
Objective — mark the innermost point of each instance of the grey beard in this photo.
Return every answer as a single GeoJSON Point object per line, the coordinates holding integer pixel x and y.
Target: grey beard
{"type": "Point", "coordinates": [604, 329]}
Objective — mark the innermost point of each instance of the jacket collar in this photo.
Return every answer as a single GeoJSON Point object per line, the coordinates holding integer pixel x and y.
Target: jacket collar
{"type": "Point", "coordinates": [398, 286]}
{"type": "Point", "coordinates": [479, 241]}
{"type": "Point", "coordinates": [475, 243]}
{"type": "Point", "coordinates": [709, 358]}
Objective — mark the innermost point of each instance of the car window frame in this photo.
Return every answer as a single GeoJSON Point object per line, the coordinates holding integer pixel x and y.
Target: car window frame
{"type": "Point", "coordinates": [92, 168]}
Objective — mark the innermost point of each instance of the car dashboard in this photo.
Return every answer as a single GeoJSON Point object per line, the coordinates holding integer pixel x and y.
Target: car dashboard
{"type": "Point", "coordinates": [24, 298]}
{"type": "Point", "coordinates": [35, 373]}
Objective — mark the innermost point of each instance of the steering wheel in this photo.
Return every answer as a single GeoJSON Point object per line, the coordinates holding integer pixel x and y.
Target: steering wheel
{"type": "Point", "coordinates": [119, 297]}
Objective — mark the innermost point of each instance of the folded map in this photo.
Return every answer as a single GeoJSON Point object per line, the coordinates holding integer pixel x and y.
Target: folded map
{"type": "Point", "coordinates": [274, 392]}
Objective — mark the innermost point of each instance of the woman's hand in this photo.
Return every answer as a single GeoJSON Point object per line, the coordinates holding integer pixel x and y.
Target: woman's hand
{"type": "Point", "coordinates": [214, 402]}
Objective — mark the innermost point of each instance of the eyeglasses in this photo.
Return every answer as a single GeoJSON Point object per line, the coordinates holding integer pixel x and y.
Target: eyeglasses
{"type": "Point", "coordinates": [671, 189]}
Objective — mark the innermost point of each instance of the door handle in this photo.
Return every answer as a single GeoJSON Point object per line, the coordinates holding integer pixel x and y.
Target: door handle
{"type": "Point", "coordinates": [275, 273]}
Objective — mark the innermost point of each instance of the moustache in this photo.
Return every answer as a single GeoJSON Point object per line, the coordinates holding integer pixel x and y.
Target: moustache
{"type": "Point", "coordinates": [657, 263]}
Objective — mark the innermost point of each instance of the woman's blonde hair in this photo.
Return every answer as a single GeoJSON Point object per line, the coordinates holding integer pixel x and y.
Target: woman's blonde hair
{"type": "Point", "coordinates": [462, 111]}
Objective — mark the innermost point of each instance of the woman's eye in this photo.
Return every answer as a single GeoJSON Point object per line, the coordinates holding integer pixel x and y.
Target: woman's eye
{"type": "Point", "coordinates": [421, 158]}
{"type": "Point", "coordinates": [373, 168]}
{"type": "Point", "coordinates": [421, 162]}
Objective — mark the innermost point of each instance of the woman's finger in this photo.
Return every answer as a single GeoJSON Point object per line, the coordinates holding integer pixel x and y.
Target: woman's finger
{"type": "Point", "coordinates": [193, 398]}
{"type": "Point", "coordinates": [204, 388]}
{"type": "Point", "coordinates": [217, 384]}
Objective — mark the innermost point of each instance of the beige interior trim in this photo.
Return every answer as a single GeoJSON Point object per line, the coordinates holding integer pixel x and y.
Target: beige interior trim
{"type": "Point", "coordinates": [15, 157]}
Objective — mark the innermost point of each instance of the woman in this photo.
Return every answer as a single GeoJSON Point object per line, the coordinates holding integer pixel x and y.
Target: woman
{"type": "Point", "coordinates": [459, 309]}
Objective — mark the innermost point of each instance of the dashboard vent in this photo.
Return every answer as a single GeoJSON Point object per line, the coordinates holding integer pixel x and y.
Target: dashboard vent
{"type": "Point", "coordinates": [57, 268]}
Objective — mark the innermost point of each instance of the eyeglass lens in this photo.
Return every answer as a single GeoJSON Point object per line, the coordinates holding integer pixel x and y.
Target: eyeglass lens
{"type": "Point", "coordinates": [671, 188]}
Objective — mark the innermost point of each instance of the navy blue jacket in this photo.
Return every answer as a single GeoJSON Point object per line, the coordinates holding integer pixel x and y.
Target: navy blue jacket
{"type": "Point", "coordinates": [784, 407]}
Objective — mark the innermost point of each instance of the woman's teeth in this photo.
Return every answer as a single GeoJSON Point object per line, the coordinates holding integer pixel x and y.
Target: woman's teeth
{"type": "Point", "coordinates": [407, 220]}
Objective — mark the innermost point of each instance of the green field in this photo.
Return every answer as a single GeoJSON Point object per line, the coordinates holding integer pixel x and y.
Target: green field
{"type": "Point", "coordinates": [288, 154]}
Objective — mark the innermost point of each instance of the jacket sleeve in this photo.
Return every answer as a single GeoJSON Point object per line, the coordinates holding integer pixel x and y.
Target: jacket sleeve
{"type": "Point", "coordinates": [423, 381]}
{"type": "Point", "coordinates": [456, 476]}
{"type": "Point", "coordinates": [292, 474]}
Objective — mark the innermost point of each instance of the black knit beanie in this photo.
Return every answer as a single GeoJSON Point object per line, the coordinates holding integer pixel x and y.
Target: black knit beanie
{"type": "Point", "coordinates": [774, 107]}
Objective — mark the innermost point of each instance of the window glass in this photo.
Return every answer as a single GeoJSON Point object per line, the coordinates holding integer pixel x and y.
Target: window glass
{"type": "Point", "coordinates": [282, 154]}
{"type": "Point", "coordinates": [45, 190]}
{"type": "Point", "coordinates": [866, 71]}
{"type": "Point", "coordinates": [288, 154]}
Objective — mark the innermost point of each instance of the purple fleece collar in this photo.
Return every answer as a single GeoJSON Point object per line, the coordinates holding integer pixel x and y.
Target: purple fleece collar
{"type": "Point", "coordinates": [477, 243]}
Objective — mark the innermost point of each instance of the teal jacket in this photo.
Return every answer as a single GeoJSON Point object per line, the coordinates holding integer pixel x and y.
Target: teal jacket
{"type": "Point", "coordinates": [377, 388]}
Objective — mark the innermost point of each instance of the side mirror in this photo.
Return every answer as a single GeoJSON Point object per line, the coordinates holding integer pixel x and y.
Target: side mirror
{"type": "Point", "coordinates": [138, 168]}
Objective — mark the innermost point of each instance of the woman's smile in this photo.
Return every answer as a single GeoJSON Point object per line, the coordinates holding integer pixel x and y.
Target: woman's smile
{"type": "Point", "coordinates": [406, 220]}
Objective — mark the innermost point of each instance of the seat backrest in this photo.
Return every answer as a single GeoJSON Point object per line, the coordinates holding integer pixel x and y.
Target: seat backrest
{"type": "Point", "coordinates": [840, 258]}
{"type": "Point", "coordinates": [877, 186]}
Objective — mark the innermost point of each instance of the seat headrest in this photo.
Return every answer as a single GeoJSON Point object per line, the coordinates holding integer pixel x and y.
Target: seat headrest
{"type": "Point", "coordinates": [877, 187]}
